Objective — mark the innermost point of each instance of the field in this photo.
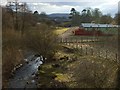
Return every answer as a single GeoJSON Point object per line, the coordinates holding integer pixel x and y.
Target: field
{"type": "Point", "coordinates": [92, 63]}
{"type": "Point", "coordinates": [78, 71]}
{"type": "Point", "coordinates": [40, 50]}
{"type": "Point", "coordinates": [113, 30]}
{"type": "Point", "coordinates": [75, 61]}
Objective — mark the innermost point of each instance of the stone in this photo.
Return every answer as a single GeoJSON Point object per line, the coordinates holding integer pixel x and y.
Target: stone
{"type": "Point", "coordinates": [39, 67]}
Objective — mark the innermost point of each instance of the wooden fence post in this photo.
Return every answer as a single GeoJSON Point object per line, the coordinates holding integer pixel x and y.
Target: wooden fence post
{"type": "Point", "coordinates": [98, 51]}
{"type": "Point", "coordinates": [61, 40]}
{"type": "Point", "coordinates": [92, 51]}
{"type": "Point", "coordinates": [76, 43]}
{"type": "Point", "coordinates": [116, 57]}
{"type": "Point", "coordinates": [86, 50]}
{"type": "Point", "coordinates": [106, 54]}
{"type": "Point", "coordinates": [81, 40]}
{"type": "Point", "coordinates": [87, 40]}
{"type": "Point", "coordinates": [81, 50]}
{"type": "Point", "coordinates": [68, 44]}
{"type": "Point", "coordinates": [66, 41]}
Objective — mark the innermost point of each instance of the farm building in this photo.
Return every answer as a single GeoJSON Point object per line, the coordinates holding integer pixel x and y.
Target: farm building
{"type": "Point", "coordinates": [106, 28]}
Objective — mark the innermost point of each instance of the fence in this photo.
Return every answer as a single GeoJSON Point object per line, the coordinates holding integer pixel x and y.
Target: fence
{"type": "Point", "coordinates": [92, 46]}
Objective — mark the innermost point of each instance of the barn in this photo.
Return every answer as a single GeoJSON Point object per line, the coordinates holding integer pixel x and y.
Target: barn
{"type": "Point", "coordinates": [105, 28]}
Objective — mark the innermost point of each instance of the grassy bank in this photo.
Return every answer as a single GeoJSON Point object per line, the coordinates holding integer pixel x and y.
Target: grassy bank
{"type": "Point", "coordinates": [11, 54]}
{"type": "Point", "coordinates": [78, 72]}
{"type": "Point", "coordinates": [15, 45]}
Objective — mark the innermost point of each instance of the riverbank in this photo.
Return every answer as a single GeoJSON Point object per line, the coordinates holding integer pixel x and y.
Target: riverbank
{"type": "Point", "coordinates": [70, 70]}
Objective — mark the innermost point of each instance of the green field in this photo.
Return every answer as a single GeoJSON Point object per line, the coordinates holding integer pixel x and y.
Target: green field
{"type": "Point", "coordinates": [106, 30]}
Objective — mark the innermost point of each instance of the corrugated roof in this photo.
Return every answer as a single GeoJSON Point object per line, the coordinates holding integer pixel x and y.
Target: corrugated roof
{"type": "Point", "coordinates": [98, 25]}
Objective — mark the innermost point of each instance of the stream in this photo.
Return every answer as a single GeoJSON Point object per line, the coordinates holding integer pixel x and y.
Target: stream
{"type": "Point", "coordinates": [24, 76]}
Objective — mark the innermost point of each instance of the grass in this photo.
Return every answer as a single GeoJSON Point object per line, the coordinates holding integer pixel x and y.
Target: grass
{"type": "Point", "coordinates": [60, 31]}
{"type": "Point", "coordinates": [62, 77]}
{"type": "Point", "coordinates": [47, 71]}
{"type": "Point", "coordinates": [107, 30]}
{"type": "Point", "coordinates": [110, 30]}
{"type": "Point", "coordinates": [84, 72]}
{"type": "Point", "coordinates": [92, 72]}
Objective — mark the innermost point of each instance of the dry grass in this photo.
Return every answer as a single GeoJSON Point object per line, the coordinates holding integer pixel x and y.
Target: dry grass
{"type": "Point", "coordinates": [10, 52]}
{"type": "Point", "coordinates": [60, 31]}
{"type": "Point", "coordinates": [83, 72]}
{"type": "Point", "coordinates": [93, 72]}
{"type": "Point", "coordinates": [62, 77]}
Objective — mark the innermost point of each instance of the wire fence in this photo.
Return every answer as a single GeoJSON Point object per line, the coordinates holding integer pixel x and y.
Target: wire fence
{"type": "Point", "coordinates": [93, 46]}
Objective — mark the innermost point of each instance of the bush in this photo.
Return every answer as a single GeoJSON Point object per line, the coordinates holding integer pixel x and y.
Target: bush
{"type": "Point", "coordinates": [42, 41]}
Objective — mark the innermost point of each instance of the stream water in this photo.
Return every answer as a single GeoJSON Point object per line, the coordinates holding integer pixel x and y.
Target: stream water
{"type": "Point", "coordinates": [24, 76]}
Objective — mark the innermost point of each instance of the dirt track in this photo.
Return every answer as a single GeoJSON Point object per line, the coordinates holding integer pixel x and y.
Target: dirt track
{"type": "Point", "coordinates": [67, 33]}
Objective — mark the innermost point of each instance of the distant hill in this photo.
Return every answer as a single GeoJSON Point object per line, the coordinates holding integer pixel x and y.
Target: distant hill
{"type": "Point", "coordinates": [65, 15]}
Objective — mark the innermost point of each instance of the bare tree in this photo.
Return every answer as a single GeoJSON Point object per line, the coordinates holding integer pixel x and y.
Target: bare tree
{"type": "Point", "coordinates": [24, 9]}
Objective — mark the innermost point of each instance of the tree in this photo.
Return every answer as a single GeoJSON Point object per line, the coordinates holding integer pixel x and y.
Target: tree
{"type": "Point", "coordinates": [43, 17]}
{"type": "Point", "coordinates": [24, 9]}
{"type": "Point", "coordinates": [117, 18]}
{"type": "Point", "coordinates": [20, 14]}
{"type": "Point", "coordinates": [89, 15]}
{"type": "Point", "coordinates": [83, 16]}
{"type": "Point", "coordinates": [14, 6]}
{"type": "Point", "coordinates": [36, 12]}
{"type": "Point", "coordinates": [75, 17]}
{"type": "Point", "coordinates": [96, 15]}
{"type": "Point", "coordinates": [9, 10]}
{"type": "Point", "coordinates": [86, 16]}
{"type": "Point", "coordinates": [7, 19]}
{"type": "Point", "coordinates": [106, 19]}
{"type": "Point", "coordinates": [84, 11]}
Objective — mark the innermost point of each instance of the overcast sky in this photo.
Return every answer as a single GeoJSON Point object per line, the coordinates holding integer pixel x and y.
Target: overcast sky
{"type": "Point", "coordinates": [64, 6]}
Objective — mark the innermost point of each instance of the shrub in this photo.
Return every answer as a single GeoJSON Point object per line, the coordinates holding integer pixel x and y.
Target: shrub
{"type": "Point", "coordinates": [42, 41]}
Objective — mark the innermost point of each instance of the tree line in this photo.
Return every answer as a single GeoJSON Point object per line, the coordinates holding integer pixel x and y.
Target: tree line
{"type": "Point", "coordinates": [19, 17]}
{"type": "Point", "coordinates": [20, 13]}
{"type": "Point", "coordinates": [89, 15]}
